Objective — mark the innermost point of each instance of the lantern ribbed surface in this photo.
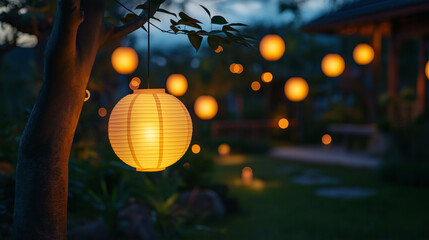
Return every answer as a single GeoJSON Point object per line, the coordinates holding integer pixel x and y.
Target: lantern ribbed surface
{"type": "Point", "coordinates": [150, 130]}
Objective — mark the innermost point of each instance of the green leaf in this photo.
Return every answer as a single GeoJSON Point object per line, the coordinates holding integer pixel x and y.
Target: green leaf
{"type": "Point", "coordinates": [229, 28]}
{"type": "Point", "coordinates": [128, 18]}
{"type": "Point", "coordinates": [166, 12]}
{"type": "Point", "coordinates": [207, 11]}
{"type": "Point", "coordinates": [186, 18]}
{"type": "Point", "coordinates": [213, 42]}
{"type": "Point", "coordinates": [195, 41]}
{"type": "Point", "coordinates": [219, 20]}
{"type": "Point", "coordinates": [238, 24]}
{"type": "Point", "coordinates": [191, 24]}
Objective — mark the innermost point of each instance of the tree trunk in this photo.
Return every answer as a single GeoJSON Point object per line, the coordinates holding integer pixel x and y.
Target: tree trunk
{"type": "Point", "coordinates": [42, 172]}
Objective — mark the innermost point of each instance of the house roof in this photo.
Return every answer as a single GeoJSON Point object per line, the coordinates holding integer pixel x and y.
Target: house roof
{"type": "Point", "coordinates": [366, 11]}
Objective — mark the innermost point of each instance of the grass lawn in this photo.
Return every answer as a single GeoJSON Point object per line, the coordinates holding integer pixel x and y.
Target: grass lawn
{"type": "Point", "coordinates": [282, 209]}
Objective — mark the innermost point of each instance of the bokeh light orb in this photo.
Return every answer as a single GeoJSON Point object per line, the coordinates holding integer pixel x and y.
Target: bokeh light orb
{"type": "Point", "coordinates": [125, 60]}
{"type": "Point", "coordinates": [87, 95]}
{"type": "Point", "coordinates": [247, 175]}
{"type": "Point", "coordinates": [427, 69]}
{"type": "Point", "coordinates": [363, 54]}
{"type": "Point", "coordinates": [102, 112]}
{"type": "Point", "coordinates": [205, 107]}
{"type": "Point", "coordinates": [177, 84]}
{"type": "Point", "coordinates": [196, 148]}
{"type": "Point", "coordinates": [135, 83]}
{"type": "Point", "coordinates": [267, 77]}
{"type": "Point", "coordinates": [219, 49]}
{"type": "Point", "coordinates": [296, 89]}
{"type": "Point", "coordinates": [333, 65]}
{"type": "Point", "coordinates": [224, 149]}
{"type": "Point", "coordinates": [283, 123]}
{"type": "Point", "coordinates": [326, 139]}
{"type": "Point", "coordinates": [255, 86]}
{"type": "Point", "coordinates": [272, 47]}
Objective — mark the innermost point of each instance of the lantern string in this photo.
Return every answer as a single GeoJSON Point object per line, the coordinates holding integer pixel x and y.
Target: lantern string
{"type": "Point", "coordinates": [148, 47]}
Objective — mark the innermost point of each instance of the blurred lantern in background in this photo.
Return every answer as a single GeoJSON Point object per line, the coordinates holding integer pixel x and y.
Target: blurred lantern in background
{"type": "Point", "coordinates": [224, 149]}
{"type": "Point", "coordinates": [219, 49]}
{"type": "Point", "coordinates": [125, 60]}
{"type": "Point", "coordinates": [196, 148]}
{"type": "Point", "coordinates": [150, 130]}
{"type": "Point", "coordinates": [267, 77]}
{"type": "Point", "coordinates": [102, 112]}
{"type": "Point", "coordinates": [205, 107]}
{"type": "Point", "coordinates": [135, 83]}
{"type": "Point", "coordinates": [333, 65]}
{"type": "Point", "coordinates": [326, 139]}
{"type": "Point", "coordinates": [236, 68]}
{"type": "Point", "coordinates": [177, 84]}
{"type": "Point", "coordinates": [87, 95]}
{"type": "Point", "coordinates": [255, 86]}
{"type": "Point", "coordinates": [247, 176]}
{"type": "Point", "coordinates": [296, 89]}
{"type": "Point", "coordinates": [272, 47]}
{"type": "Point", "coordinates": [283, 123]}
{"type": "Point", "coordinates": [363, 54]}
{"type": "Point", "coordinates": [427, 69]}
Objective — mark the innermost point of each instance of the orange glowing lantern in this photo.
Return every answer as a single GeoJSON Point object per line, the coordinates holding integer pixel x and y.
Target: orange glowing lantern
{"type": "Point", "coordinates": [247, 176]}
{"type": "Point", "coordinates": [283, 123]}
{"type": "Point", "coordinates": [196, 148]}
{"type": "Point", "coordinates": [205, 107]}
{"type": "Point", "coordinates": [150, 130]}
{"type": "Point", "coordinates": [272, 47]}
{"type": "Point", "coordinates": [363, 54]}
{"type": "Point", "coordinates": [427, 69]}
{"type": "Point", "coordinates": [333, 65]}
{"type": "Point", "coordinates": [125, 60]}
{"type": "Point", "coordinates": [267, 77]}
{"type": "Point", "coordinates": [296, 89]}
{"type": "Point", "coordinates": [326, 139]}
{"type": "Point", "coordinates": [177, 84]}
{"type": "Point", "coordinates": [87, 95]}
{"type": "Point", "coordinates": [224, 149]}
{"type": "Point", "coordinates": [255, 86]}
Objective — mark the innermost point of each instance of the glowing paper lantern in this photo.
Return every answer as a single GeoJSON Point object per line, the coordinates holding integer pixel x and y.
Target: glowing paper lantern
{"type": "Point", "coordinates": [125, 60]}
{"type": "Point", "coordinates": [272, 47]}
{"type": "Point", "coordinates": [283, 123]}
{"type": "Point", "coordinates": [363, 54]}
{"type": "Point", "coordinates": [177, 84]}
{"type": "Point", "coordinates": [150, 130]}
{"type": "Point", "coordinates": [205, 107]}
{"type": "Point", "coordinates": [267, 77]}
{"type": "Point", "coordinates": [427, 69]}
{"type": "Point", "coordinates": [255, 86]}
{"type": "Point", "coordinates": [196, 148]}
{"type": "Point", "coordinates": [333, 65]}
{"type": "Point", "coordinates": [296, 89]}
{"type": "Point", "coordinates": [247, 176]}
{"type": "Point", "coordinates": [219, 49]}
{"type": "Point", "coordinates": [224, 149]}
{"type": "Point", "coordinates": [326, 139]}
{"type": "Point", "coordinates": [102, 112]}
{"type": "Point", "coordinates": [87, 95]}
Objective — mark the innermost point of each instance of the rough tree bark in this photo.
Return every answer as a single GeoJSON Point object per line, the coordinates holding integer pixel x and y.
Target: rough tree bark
{"type": "Point", "coordinates": [42, 172]}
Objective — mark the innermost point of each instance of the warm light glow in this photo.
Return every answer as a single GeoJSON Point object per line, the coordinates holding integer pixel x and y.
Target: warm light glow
{"type": "Point", "coordinates": [102, 112]}
{"type": "Point", "coordinates": [283, 123]}
{"type": "Point", "coordinates": [177, 84]}
{"type": "Point", "coordinates": [236, 68]}
{"type": "Point", "coordinates": [247, 176]}
{"type": "Point", "coordinates": [326, 139]}
{"type": "Point", "coordinates": [296, 89]}
{"type": "Point", "coordinates": [363, 54]}
{"type": "Point", "coordinates": [205, 107]}
{"type": "Point", "coordinates": [125, 60]}
{"type": "Point", "coordinates": [267, 77]}
{"type": "Point", "coordinates": [196, 148]}
{"type": "Point", "coordinates": [272, 47]}
{"type": "Point", "coordinates": [87, 95]}
{"type": "Point", "coordinates": [255, 86]}
{"type": "Point", "coordinates": [219, 49]}
{"type": "Point", "coordinates": [150, 130]}
{"type": "Point", "coordinates": [224, 149]}
{"type": "Point", "coordinates": [427, 69]}
{"type": "Point", "coordinates": [135, 83]}
{"type": "Point", "coordinates": [333, 65]}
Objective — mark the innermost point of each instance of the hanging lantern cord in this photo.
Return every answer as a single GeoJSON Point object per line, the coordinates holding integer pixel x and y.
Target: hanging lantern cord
{"type": "Point", "coordinates": [148, 46]}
